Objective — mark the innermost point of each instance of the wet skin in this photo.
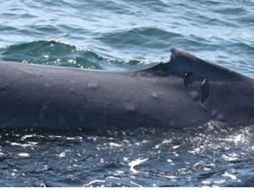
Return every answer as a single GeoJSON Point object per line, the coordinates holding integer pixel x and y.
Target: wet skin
{"type": "Point", "coordinates": [185, 92]}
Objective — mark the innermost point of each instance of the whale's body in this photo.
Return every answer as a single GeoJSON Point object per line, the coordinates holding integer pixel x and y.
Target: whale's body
{"type": "Point", "coordinates": [185, 92]}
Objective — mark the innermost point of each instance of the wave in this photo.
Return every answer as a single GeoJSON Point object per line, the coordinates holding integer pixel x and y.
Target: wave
{"type": "Point", "coordinates": [62, 54]}
{"type": "Point", "coordinates": [147, 37]}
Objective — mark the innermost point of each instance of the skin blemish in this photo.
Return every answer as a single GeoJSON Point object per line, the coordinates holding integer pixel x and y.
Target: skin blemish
{"type": "Point", "coordinates": [155, 95]}
{"type": "Point", "coordinates": [172, 124]}
{"type": "Point", "coordinates": [43, 110]}
{"type": "Point", "coordinates": [47, 85]}
{"type": "Point", "coordinates": [92, 85]}
{"type": "Point", "coordinates": [220, 117]}
{"type": "Point", "coordinates": [130, 108]}
{"type": "Point", "coordinates": [214, 113]}
{"type": "Point", "coordinates": [194, 95]}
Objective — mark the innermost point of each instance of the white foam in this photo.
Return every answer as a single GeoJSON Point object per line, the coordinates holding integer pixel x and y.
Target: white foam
{"type": "Point", "coordinates": [135, 163]}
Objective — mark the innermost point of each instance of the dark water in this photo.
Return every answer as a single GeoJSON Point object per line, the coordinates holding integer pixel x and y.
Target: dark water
{"type": "Point", "coordinates": [122, 35]}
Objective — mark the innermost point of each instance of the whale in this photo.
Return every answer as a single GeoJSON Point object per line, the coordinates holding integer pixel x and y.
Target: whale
{"type": "Point", "coordinates": [184, 92]}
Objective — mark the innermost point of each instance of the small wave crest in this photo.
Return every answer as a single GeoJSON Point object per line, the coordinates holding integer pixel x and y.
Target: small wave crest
{"type": "Point", "coordinates": [62, 54]}
{"type": "Point", "coordinates": [145, 37]}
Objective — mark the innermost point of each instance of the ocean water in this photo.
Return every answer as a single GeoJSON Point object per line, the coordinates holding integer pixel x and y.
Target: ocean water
{"type": "Point", "coordinates": [122, 35]}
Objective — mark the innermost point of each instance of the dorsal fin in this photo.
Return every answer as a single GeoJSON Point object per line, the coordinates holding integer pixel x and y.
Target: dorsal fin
{"type": "Point", "coordinates": [182, 62]}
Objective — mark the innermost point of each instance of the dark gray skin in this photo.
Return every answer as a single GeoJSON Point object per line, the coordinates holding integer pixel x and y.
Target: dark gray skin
{"type": "Point", "coordinates": [167, 95]}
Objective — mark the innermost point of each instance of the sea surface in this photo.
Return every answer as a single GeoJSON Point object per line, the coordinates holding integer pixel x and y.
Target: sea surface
{"type": "Point", "coordinates": [122, 35]}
